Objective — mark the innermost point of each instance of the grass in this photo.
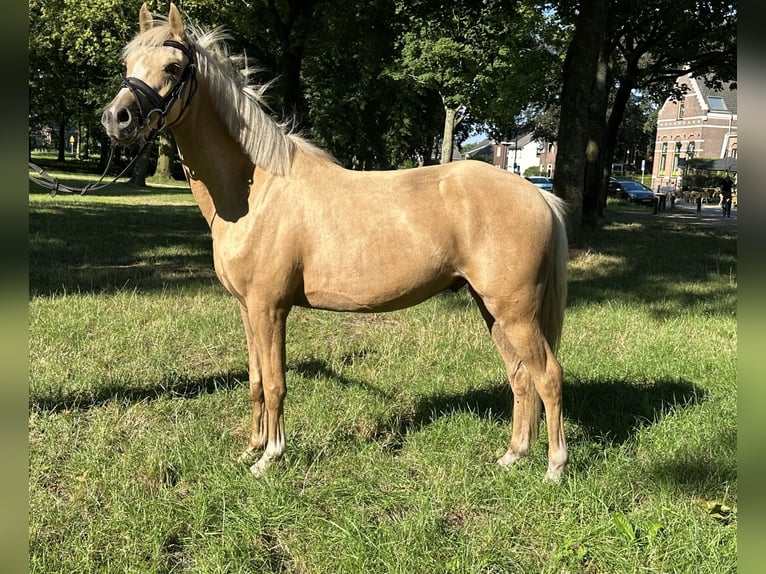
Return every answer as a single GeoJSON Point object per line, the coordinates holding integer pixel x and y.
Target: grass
{"type": "Point", "coordinates": [139, 407]}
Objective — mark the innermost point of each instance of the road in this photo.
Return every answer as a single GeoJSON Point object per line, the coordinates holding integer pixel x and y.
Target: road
{"type": "Point", "coordinates": [710, 215]}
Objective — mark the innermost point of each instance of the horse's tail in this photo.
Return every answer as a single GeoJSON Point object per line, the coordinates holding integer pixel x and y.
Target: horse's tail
{"type": "Point", "coordinates": [555, 294]}
{"type": "Point", "coordinates": [555, 297]}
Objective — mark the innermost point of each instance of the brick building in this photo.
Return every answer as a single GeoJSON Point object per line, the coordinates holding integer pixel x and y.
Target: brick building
{"type": "Point", "coordinates": [702, 124]}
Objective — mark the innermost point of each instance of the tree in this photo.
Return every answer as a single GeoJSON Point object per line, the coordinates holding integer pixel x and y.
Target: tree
{"type": "Point", "coordinates": [74, 50]}
{"type": "Point", "coordinates": [141, 169]}
{"type": "Point", "coordinates": [628, 46]}
{"type": "Point", "coordinates": [292, 24]}
{"type": "Point", "coordinates": [349, 101]}
{"type": "Point", "coordinates": [580, 73]}
{"type": "Point", "coordinates": [479, 56]}
{"type": "Point", "coordinates": [275, 34]}
{"type": "Point", "coordinates": [652, 48]}
{"type": "Point", "coordinates": [165, 155]}
{"type": "Point", "coordinates": [357, 110]}
{"type": "Point", "coordinates": [635, 136]}
{"type": "Point", "coordinates": [522, 83]}
{"type": "Point", "coordinates": [436, 52]}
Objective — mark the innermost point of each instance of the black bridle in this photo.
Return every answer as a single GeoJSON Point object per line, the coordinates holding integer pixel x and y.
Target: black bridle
{"type": "Point", "coordinates": [159, 108]}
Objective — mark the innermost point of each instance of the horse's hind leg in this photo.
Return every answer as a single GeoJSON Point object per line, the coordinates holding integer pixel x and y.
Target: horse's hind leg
{"type": "Point", "coordinates": [526, 401]}
{"type": "Point", "coordinates": [534, 374]}
{"type": "Point", "coordinates": [537, 362]}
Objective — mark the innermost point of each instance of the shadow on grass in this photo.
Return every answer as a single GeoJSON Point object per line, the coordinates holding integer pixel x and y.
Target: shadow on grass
{"type": "Point", "coordinates": [171, 387]}
{"type": "Point", "coordinates": [607, 412]}
{"type": "Point", "coordinates": [667, 265]}
{"type": "Point", "coordinates": [108, 187]}
{"type": "Point", "coordinates": [318, 368]}
{"type": "Point", "coordinates": [696, 470]}
{"type": "Point", "coordinates": [95, 248]}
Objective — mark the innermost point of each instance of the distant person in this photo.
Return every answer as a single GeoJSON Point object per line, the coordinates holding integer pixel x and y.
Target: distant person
{"type": "Point", "coordinates": [726, 196]}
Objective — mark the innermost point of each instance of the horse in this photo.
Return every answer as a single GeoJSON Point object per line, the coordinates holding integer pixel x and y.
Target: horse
{"type": "Point", "coordinates": [291, 227]}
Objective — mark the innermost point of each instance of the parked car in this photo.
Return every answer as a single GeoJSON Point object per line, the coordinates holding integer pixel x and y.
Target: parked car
{"type": "Point", "coordinates": [635, 192]}
{"type": "Point", "coordinates": [540, 181]}
{"type": "Point", "coordinates": [614, 187]}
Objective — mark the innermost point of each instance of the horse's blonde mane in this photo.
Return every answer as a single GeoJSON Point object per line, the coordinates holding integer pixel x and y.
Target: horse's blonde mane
{"type": "Point", "coordinates": [240, 104]}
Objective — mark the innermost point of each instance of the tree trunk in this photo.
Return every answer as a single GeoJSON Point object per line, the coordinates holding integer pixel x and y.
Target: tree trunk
{"type": "Point", "coordinates": [597, 154]}
{"type": "Point", "coordinates": [165, 156]}
{"type": "Point", "coordinates": [286, 26]}
{"type": "Point", "coordinates": [620, 103]}
{"type": "Point", "coordinates": [290, 84]}
{"type": "Point", "coordinates": [141, 169]}
{"type": "Point", "coordinates": [449, 130]}
{"type": "Point", "coordinates": [62, 139]}
{"type": "Point", "coordinates": [579, 73]}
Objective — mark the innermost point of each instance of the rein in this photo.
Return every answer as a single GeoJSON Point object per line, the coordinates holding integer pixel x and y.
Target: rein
{"type": "Point", "coordinates": [160, 109]}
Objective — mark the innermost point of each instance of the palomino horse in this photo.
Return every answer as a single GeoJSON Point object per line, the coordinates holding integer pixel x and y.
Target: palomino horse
{"type": "Point", "coordinates": [291, 227]}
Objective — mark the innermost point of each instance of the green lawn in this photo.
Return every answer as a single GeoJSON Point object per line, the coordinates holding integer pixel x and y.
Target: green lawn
{"type": "Point", "coordinates": [138, 408]}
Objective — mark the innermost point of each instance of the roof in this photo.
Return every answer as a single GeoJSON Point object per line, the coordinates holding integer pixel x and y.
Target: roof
{"type": "Point", "coordinates": [484, 147]}
{"type": "Point", "coordinates": [520, 140]}
{"type": "Point", "coordinates": [727, 95]}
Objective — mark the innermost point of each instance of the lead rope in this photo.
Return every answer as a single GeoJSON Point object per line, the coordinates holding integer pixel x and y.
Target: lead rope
{"type": "Point", "coordinates": [55, 186]}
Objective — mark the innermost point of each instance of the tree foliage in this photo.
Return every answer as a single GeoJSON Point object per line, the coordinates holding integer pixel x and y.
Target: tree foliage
{"type": "Point", "coordinates": [486, 58]}
{"type": "Point", "coordinates": [357, 109]}
{"type": "Point", "coordinates": [74, 51]}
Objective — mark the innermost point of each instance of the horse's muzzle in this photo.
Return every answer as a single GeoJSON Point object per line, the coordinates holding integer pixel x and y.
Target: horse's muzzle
{"type": "Point", "coordinates": [121, 124]}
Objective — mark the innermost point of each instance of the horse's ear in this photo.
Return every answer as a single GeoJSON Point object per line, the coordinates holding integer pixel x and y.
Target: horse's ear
{"type": "Point", "coordinates": [175, 21]}
{"type": "Point", "coordinates": [145, 19]}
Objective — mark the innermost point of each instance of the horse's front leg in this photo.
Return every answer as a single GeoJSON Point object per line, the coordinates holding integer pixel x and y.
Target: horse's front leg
{"type": "Point", "coordinates": [258, 431]}
{"type": "Point", "coordinates": [268, 334]}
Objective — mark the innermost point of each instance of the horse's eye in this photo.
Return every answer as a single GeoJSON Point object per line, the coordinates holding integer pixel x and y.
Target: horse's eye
{"type": "Point", "coordinates": [172, 69]}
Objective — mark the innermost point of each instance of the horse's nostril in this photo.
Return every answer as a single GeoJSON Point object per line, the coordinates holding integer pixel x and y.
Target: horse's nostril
{"type": "Point", "coordinates": [123, 116]}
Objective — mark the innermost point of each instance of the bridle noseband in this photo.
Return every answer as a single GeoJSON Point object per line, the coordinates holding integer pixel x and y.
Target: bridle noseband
{"type": "Point", "coordinates": [159, 106]}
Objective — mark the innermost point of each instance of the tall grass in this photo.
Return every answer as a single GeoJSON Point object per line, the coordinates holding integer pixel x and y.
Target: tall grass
{"type": "Point", "coordinates": [139, 407]}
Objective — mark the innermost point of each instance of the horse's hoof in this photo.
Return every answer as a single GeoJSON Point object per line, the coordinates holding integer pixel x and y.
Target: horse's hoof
{"type": "Point", "coordinates": [508, 459]}
{"type": "Point", "coordinates": [246, 456]}
{"type": "Point", "coordinates": [554, 475]}
{"type": "Point", "coordinates": [260, 467]}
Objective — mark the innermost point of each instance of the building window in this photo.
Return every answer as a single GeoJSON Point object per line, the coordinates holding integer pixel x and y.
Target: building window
{"type": "Point", "coordinates": [664, 157]}
{"type": "Point", "coordinates": [690, 150]}
{"type": "Point", "coordinates": [716, 104]}
{"type": "Point", "coordinates": [676, 156]}
{"type": "Point", "coordinates": [681, 106]}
